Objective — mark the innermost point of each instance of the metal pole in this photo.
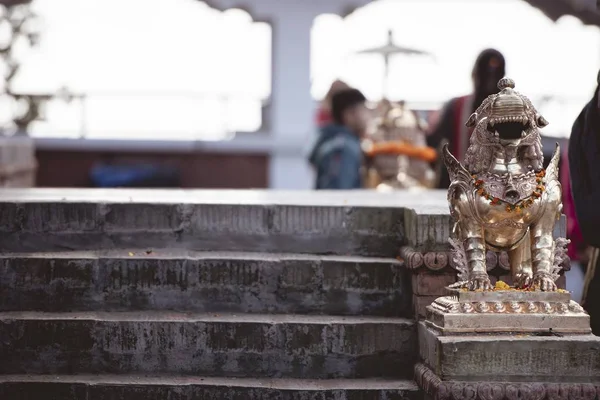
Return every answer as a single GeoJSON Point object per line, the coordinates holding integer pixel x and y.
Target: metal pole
{"type": "Point", "coordinates": [83, 110]}
{"type": "Point", "coordinates": [386, 75]}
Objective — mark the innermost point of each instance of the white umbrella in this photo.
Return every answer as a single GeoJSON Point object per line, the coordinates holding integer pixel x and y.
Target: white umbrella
{"type": "Point", "coordinates": [390, 49]}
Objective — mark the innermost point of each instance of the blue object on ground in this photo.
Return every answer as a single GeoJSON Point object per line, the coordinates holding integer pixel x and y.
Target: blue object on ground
{"type": "Point", "coordinates": [144, 175]}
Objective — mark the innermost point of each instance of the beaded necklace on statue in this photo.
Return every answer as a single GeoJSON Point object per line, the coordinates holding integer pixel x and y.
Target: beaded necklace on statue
{"type": "Point", "coordinates": [527, 202]}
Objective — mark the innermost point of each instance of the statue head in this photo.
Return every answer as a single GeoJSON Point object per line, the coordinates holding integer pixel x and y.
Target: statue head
{"type": "Point", "coordinates": [509, 120]}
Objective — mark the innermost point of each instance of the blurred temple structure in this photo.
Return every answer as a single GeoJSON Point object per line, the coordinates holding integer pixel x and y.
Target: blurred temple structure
{"type": "Point", "coordinates": [273, 156]}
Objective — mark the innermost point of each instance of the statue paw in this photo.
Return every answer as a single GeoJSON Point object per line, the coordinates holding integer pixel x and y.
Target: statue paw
{"type": "Point", "coordinates": [523, 281]}
{"type": "Point", "coordinates": [544, 283]}
{"type": "Point", "coordinates": [480, 282]}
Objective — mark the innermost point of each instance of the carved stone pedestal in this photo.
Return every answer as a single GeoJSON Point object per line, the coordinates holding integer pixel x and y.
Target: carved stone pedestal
{"type": "Point", "coordinates": [507, 311]}
{"type": "Point", "coordinates": [508, 345]}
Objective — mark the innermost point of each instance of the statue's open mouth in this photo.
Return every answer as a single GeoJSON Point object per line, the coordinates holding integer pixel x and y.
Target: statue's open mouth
{"type": "Point", "coordinates": [516, 128]}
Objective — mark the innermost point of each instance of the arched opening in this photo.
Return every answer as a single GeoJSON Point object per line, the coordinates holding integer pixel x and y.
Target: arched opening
{"type": "Point", "coordinates": [148, 69]}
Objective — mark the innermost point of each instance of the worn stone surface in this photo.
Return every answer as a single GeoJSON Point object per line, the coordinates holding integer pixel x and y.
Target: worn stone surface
{"type": "Point", "coordinates": [248, 345]}
{"type": "Point", "coordinates": [218, 227]}
{"type": "Point", "coordinates": [204, 282]}
{"type": "Point", "coordinates": [498, 323]}
{"type": "Point", "coordinates": [516, 358]}
{"type": "Point", "coordinates": [366, 223]}
{"type": "Point", "coordinates": [420, 304]}
{"type": "Point", "coordinates": [192, 388]}
{"type": "Point", "coordinates": [435, 388]}
{"type": "Point", "coordinates": [432, 284]}
{"type": "Point", "coordinates": [215, 343]}
{"type": "Point", "coordinates": [423, 202]}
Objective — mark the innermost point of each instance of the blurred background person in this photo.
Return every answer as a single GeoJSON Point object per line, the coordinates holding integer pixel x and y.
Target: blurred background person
{"type": "Point", "coordinates": [584, 163]}
{"type": "Point", "coordinates": [337, 155]}
{"type": "Point", "coordinates": [577, 249]}
{"type": "Point", "coordinates": [488, 70]}
{"type": "Point", "coordinates": [324, 111]}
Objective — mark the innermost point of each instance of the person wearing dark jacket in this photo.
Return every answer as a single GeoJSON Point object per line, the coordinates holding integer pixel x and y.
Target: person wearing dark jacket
{"type": "Point", "coordinates": [337, 155]}
{"type": "Point", "coordinates": [488, 70]}
{"type": "Point", "coordinates": [584, 164]}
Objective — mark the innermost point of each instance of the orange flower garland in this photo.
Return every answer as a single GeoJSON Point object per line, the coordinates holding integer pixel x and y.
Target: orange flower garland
{"type": "Point", "coordinates": [536, 194]}
{"type": "Point", "coordinates": [403, 148]}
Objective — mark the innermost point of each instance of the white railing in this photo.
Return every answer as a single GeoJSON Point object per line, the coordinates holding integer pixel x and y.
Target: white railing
{"type": "Point", "coordinates": [149, 115]}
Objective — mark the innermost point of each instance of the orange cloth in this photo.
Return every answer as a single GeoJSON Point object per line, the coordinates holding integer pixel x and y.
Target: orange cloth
{"type": "Point", "coordinates": [402, 148]}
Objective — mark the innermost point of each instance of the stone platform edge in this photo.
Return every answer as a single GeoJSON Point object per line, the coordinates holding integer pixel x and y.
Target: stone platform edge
{"type": "Point", "coordinates": [436, 389]}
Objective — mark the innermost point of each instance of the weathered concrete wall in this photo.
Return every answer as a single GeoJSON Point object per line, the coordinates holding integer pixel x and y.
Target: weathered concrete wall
{"type": "Point", "coordinates": [166, 279]}
{"type": "Point", "coordinates": [209, 344]}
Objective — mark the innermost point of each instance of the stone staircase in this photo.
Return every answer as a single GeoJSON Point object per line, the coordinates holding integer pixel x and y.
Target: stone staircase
{"type": "Point", "coordinates": [182, 295]}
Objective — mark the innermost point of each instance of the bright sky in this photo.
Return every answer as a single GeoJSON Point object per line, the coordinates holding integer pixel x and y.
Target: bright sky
{"type": "Point", "coordinates": [159, 67]}
{"type": "Point", "coordinates": [151, 67]}
{"type": "Point", "coordinates": [544, 58]}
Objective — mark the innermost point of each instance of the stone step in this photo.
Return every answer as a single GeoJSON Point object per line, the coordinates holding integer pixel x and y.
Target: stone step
{"type": "Point", "coordinates": [94, 387]}
{"type": "Point", "coordinates": [226, 345]}
{"type": "Point", "coordinates": [516, 357]}
{"type": "Point", "coordinates": [346, 223]}
{"type": "Point", "coordinates": [133, 279]}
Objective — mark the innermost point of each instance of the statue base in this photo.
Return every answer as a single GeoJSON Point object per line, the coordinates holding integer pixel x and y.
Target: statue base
{"type": "Point", "coordinates": [511, 311]}
{"type": "Point", "coordinates": [507, 345]}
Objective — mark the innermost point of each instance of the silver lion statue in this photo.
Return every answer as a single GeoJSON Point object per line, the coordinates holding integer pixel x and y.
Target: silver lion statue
{"type": "Point", "coordinates": [502, 199]}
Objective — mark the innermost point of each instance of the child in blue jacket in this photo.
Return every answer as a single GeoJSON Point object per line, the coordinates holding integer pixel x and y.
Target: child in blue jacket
{"type": "Point", "coordinates": [337, 155]}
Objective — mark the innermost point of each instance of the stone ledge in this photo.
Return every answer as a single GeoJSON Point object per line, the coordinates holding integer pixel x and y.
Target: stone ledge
{"type": "Point", "coordinates": [437, 389]}
{"type": "Point", "coordinates": [166, 279]}
{"type": "Point", "coordinates": [324, 222]}
{"type": "Point", "coordinates": [102, 387]}
{"type": "Point", "coordinates": [225, 345]}
{"type": "Point", "coordinates": [430, 202]}
{"type": "Point", "coordinates": [517, 358]}
{"type": "Point", "coordinates": [343, 230]}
